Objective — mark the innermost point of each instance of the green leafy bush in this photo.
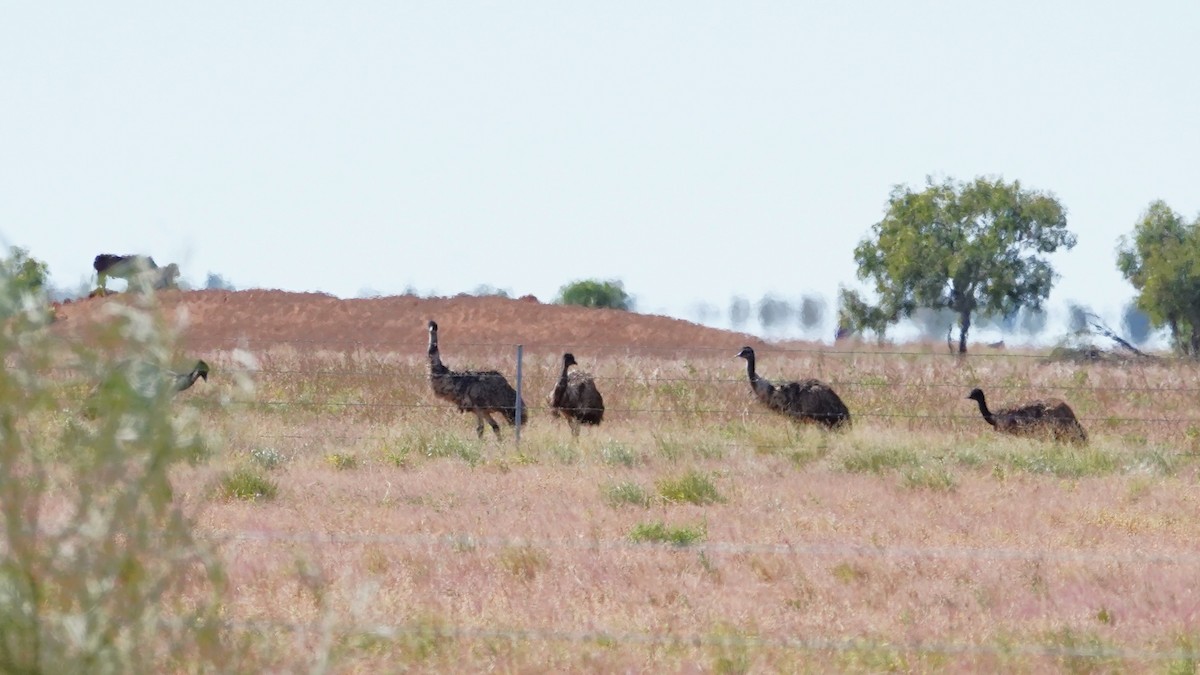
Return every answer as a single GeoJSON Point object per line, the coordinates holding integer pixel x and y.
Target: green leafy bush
{"type": "Point", "coordinates": [100, 571]}
{"type": "Point", "coordinates": [595, 293]}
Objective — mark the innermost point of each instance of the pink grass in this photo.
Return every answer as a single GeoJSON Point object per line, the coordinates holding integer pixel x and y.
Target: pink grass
{"type": "Point", "coordinates": [521, 563]}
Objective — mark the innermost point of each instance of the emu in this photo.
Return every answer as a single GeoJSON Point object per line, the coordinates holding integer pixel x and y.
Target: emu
{"type": "Point", "coordinates": [143, 378]}
{"type": "Point", "coordinates": [1045, 419]}
{"type": "Point", "coordinates": [809, 401]}
{"type": "Point", "coordinates": [482, 392]}
{"type": "Point", "coordinates": [130, 267]}
{"type": "Point", "coordinates": [186, 380]}
{"type": "Point", "coordinates": [576, 398]}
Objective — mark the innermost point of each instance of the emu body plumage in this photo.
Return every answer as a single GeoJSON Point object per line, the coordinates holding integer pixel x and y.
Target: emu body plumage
{"type": "Point", "coordinates": [1046, 419]}
{"type": "Point", "coordinates": [130, 267]}
{"type": "Point", "coordinates": [576, 398]}
{"type": "Point", "coordinates": [809, 401]}
{"type": "Point", "coordinates": [481, 392]}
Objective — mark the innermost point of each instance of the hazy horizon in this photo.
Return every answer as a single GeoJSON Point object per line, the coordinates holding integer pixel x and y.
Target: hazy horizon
{"type": "Point", "coordinates": [696, 151]}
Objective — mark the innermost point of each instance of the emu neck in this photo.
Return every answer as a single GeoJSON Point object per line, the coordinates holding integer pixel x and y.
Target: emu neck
{"type": "Point", "coordinates": [759, 385]}
{"type": "Point", "coordinates": [987, 414]}
{"type": "Point", "coordinates": [435, 357]}
{"type": "Point", "coordinates": [563, 377]}
{"type": "Point", "coordinates": [750, 369]}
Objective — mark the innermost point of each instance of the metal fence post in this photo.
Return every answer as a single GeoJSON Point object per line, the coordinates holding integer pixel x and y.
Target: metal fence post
{"type": "Point", "coordinates": [520, 354]}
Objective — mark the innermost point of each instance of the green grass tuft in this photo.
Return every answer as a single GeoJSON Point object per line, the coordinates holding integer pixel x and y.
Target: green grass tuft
{"type": "Point", "coordinates": [878, 460]}
{"type": "Point", "coordinates": [627, 493]}
{"type": "Point", "coordinates": [659, 532]}
{"type": "Point", "coordinates": [614, 453]}
{"type": "Point", "coordinates": [342, 461]}
{"type": "Point", "coordinates": [693, 487]}
{"type": "Point", "coordinates": [935, 478]}
{"type": "Point", "coordinates": [248, 485]}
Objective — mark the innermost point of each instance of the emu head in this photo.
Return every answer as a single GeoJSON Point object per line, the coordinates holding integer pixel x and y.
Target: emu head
{"type": "Point", "coordinates": [746, 353]}
{"type": "Point", "coordinates": [201, 370]}
{"type": "Point", "coordinates": [432, 337]}
{"type": "Point", "coordinates": [976, 394]}
{"type": "Point", "coordinates": [569, 359]}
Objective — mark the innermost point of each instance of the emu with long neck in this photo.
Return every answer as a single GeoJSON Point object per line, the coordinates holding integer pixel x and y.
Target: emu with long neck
{"type": "Point", "coordinates": [479, 392]}
{"type": "Point", "coordinates": [761, 386]}
{"type": "Point", "coordinates": [435, 358]}
{"type": "Point", "coordinates": [805, 401]}
{"type": "Point", "coordinates": [977, 396]}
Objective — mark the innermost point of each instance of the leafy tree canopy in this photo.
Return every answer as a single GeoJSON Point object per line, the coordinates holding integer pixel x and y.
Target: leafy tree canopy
{"type": "Point", "coordinates": [595, 293]}
{"type": "Point", "coordinates": [29, 274]}
{"type": "Point", "coordinates": [1162, 261]}
{"type": "Point", "coordinates": [966, 247]}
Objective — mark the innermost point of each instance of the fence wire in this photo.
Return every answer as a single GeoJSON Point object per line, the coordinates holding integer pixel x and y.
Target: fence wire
{"type": "Point", "coordinates": [796, 550]}
{"type": "Point", "coordinates": [728, 641]}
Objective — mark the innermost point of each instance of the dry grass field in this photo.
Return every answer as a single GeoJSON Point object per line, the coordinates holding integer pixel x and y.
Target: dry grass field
{"type": "Point", "coordinates": [364, 528]}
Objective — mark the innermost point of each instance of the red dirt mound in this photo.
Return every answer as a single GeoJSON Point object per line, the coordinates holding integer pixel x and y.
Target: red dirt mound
{"type": "Point", "coordinates": [261, 318]}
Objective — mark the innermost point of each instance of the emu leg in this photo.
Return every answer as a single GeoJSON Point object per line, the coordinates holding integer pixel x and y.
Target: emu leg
{"type": "Point", "coordinates": [574, 424]}
{"type": "Point", "coordinates": [492, 422]}
{"type": "Point", "coordinates": [479, 423]}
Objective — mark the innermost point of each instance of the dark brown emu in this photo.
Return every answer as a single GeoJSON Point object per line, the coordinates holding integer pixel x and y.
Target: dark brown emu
{"type": "Point", "coordinates": [575, 397]}
{"type": "Point", "coordinates": [128, 267]}
{"type": "Point", "coordinates": [186, 380]}
{"type": "Point", "coordinates": [1046, 419]}
{"type": "Point", "coordinates": [809, 401]}
{"type": "Point", "coordinates": [482, 392]}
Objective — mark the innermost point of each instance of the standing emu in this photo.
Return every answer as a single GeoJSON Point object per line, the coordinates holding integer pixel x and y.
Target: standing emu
{"type": "Point", "coordinates": [576, 398]}
{"type": "Point", "coordinates": [479, 391]}
{"type": "Point", "coordinates": [807, 401]}
{"type": "Point", "coordinates": [129, 267]}
{"type": "Point", "coordinates": [1049, 418]}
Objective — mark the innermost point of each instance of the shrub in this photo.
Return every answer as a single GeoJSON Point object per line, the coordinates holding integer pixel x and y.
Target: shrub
{"type": "Point", "coordinates": [595, 293]}
{"type": "Point", "coordinates": [23, 272]}
{"type": "Point", "coordinates": [122, 585]}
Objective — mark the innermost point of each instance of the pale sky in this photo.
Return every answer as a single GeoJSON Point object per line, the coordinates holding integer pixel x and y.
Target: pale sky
{"type": "Point", "coordinates": [694, 150]}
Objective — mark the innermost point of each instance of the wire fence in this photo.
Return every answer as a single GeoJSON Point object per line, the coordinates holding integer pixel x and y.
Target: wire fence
{"type": "Point", "coordinates": [727, 641]}
{"type": "Point", "coordinates": [461, 542]}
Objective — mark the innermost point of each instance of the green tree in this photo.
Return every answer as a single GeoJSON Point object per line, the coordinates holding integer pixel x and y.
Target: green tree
{"type": "Point", "coordinates": [29, 274]}
{"type": "Point", "coordinates": [967, 247]}
{"type": "Point", "coordinates": [595, 293]}
{"type": "Point", "coordinates": [1162, 261]}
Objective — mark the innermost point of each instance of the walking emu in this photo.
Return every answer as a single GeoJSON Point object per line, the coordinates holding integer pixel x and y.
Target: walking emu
{"type": "Point", "coordinates": [1048, 418]}
{"type": "Point", "coordinates": [479, 391]}
{"type": "Point", "coordinates": [810, 401]}
{"type": "Point", "coordinates": [186, 380]}
{"type": "Point", "coordinates": [576, 398]}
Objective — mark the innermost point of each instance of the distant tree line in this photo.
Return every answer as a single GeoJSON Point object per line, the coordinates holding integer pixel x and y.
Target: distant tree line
{"type": "Point", "coordinates": [956, 253]}
{"type": "Point", "coordinates": [950, 256]}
